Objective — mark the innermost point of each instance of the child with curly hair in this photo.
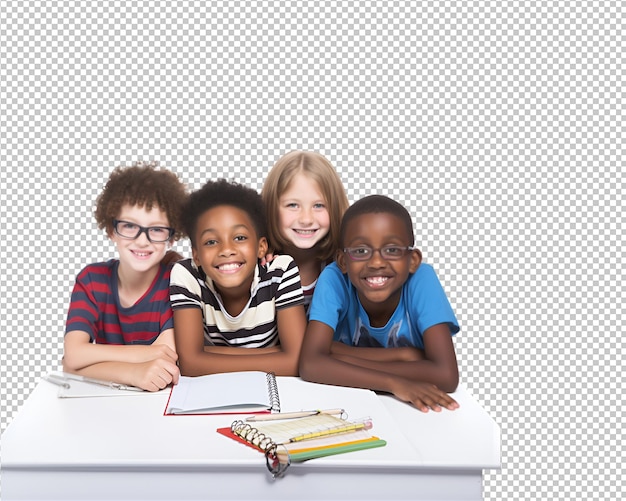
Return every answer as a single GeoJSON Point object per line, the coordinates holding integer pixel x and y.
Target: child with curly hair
{"type": "Point", "coordinates": [120, 324]}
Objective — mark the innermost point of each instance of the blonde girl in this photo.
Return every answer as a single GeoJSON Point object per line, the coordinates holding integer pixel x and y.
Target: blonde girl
{"type": "Point", "coordinates": [305, 200]}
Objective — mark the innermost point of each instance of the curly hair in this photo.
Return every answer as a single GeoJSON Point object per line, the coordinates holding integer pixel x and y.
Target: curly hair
{"type": "Point", "coordinates": [319, 169]}
{"type": "Point", "coordinates": [144, 185]}
{"type": "Point", "coordinates": [376, 204]}
{"type": "Point", "coordinates": [223, 192]}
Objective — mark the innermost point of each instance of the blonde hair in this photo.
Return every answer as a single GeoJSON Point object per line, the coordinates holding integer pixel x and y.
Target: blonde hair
{"type": "Point", "coordinates": [316, 167]}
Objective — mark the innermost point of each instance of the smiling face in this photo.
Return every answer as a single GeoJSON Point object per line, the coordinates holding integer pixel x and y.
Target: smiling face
{"type": "Point", "coordinates": [378, 281]}
{"type": "Point", "coordinates": [228, 249]}
{"type": "Point", "coordinates": [139, 254]}
{"type": "Point", "coordinates": [303, 213]}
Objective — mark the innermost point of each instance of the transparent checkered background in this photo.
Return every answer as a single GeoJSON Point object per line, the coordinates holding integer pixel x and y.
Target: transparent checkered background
{"type": "Point", "coordinates": [499, 124]}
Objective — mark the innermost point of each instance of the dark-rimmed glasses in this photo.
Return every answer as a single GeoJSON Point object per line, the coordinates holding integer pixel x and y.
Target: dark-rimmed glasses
{"type": "Point", "coordinates": [388, 252]}
{"type": "Point", "coordinates": [131, 231]}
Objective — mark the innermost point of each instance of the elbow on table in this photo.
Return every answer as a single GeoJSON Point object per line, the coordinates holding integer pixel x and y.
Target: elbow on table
{"type": "Point", "coordinates": [302, 367]}
{"type": "Point", "coordinates": [188, 368]}
{"type": "Point", "coordinates": [291, 371]}
{"type": "Point", "coordinates": [307, 369]}
{"type": "Point", "coordinates": [292, 366]}
{"type": "Point", "coordinates": [192, 364]}
{"type": "Point", "coordinates": [450, 382]}
{"type": "Point", "coordinates": [70, 363]}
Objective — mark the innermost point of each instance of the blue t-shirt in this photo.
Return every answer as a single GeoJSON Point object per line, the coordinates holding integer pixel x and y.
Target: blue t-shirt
{"type": "Point", "coordinates": [423, 303]}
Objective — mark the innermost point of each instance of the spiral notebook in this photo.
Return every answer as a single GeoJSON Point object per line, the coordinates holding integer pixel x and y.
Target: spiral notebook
{"type": "Point", "coordinates": [296, 440]}
{"type": "Point", "coordinates": [225, 393]}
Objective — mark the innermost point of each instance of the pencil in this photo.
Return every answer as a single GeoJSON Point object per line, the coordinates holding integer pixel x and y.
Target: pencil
{"type": "Point", "coordinates": [293, 415]}
{"type": "Point", "coordinates": [363, 425]}
{"type": "Point", "coordinates": [57, 380]}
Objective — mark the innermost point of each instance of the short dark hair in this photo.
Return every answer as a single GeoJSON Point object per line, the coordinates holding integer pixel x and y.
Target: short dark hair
{"type": "Point", "coordinates": [375, 204]}
{"type": "Point", "coordinates": [223, 192]}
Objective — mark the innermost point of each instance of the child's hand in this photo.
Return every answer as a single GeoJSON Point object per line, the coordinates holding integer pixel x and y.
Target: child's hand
{"type": "Point", "coordinates": [155, 374]}
{"type": "Point", "coordinates": [424, 396]}
{"type": "Point", "coordinates": [269, 257]}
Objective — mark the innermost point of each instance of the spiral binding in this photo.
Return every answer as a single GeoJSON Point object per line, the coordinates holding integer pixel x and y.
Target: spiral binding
{"type": "Point", "coordinates": [263, 442]}
{"type": "Point", "coordinates": [273, 391]}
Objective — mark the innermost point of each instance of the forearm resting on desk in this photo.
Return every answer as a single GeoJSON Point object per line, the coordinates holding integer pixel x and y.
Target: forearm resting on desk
{"type": "Point", "coordinates": [435, 364]}
{"type": "Point", "coordinates": [406, 354]}
{"type": "Point", "coordinates": [319, 365]}
{"type": "Point", "coordinates": [79, 352]}
{"type": "Point", "coordinates": [423, 371]}
{"type": "Point", "coordinates": [238, 359]}
{"type": "Point", "coordinates": [231, 350]}
{"type": "Point", "coordinates": [151, 367]}
{"type": "Point", "coordinates": [153, 375]}
{"type": "Point", "coordinates": [195, 359]}
{"type": "Point", "coordinates": [331, 370]}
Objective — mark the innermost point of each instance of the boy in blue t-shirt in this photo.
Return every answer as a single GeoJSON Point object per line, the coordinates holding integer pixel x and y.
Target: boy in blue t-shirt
{"type": "Point", "coordinates": [379, 317]}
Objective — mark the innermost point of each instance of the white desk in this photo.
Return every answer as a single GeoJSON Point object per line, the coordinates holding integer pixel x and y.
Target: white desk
{"type": "Point", "coordinates": [124, 448]}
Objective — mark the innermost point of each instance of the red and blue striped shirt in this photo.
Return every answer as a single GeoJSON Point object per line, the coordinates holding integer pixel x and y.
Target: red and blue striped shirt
{"type": "Point", "coordinates": [95, 307]}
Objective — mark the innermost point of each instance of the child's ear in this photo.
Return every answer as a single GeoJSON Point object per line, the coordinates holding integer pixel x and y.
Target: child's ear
{"type": "Point", "coordinates": [194, 255]}
{"type": "Point", "coordinates": [263, 246]}
{"type": "Point", "coordinates": [416, 260]}
{"type": "Point", "coordinates": [341, 261]}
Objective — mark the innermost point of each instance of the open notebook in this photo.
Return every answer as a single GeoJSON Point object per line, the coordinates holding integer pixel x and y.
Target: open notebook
{"type": "Point", "coordinates": [225, 393]}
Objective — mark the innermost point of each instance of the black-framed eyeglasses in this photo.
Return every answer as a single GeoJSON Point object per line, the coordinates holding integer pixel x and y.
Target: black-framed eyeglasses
{"type": "Point", "coordinates": [388, 252]}
{"type": "Point", "coordinates": [131, 231]}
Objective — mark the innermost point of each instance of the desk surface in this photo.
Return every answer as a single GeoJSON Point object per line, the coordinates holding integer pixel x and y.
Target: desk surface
{"type": "Point", "coordinates": [91, 439]}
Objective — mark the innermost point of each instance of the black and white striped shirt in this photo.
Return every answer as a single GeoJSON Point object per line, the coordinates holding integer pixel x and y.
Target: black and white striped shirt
{"type": "Point", "coordinates": [276, 285]}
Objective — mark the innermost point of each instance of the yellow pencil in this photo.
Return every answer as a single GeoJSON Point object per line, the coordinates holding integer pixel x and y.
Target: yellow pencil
{"type": "Point", "coordinates": [363, 425]}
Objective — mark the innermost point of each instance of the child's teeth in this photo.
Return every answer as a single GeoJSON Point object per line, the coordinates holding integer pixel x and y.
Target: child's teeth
{"type": "Point", "coordinates": [228, 267]}
{"type": "Point", "coordinates": [377, 280]}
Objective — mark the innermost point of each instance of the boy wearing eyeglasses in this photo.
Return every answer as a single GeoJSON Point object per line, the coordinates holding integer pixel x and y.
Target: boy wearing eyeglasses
{"type": "Point", "coordinates": [119, 324]}
{"type": "Point", "coordinates": [380, 318]}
